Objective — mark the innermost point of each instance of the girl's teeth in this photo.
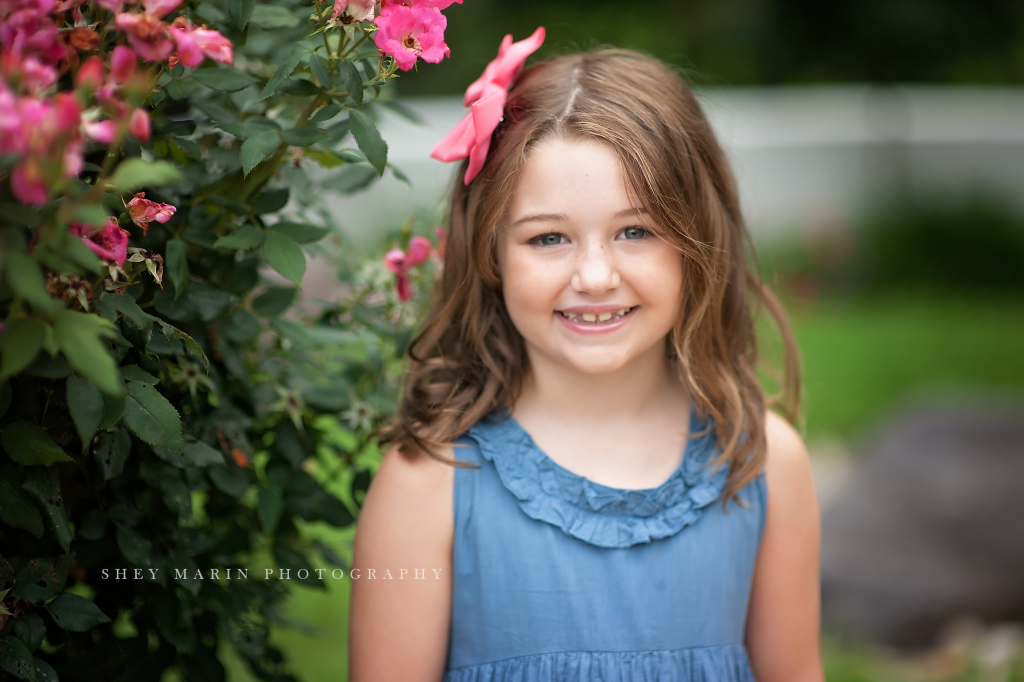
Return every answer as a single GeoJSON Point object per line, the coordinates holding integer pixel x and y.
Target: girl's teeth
{"type": "Point", "coordinates": [598, 317]}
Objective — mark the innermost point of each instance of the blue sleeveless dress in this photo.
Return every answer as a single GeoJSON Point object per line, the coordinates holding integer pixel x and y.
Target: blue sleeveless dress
{"type": "Point", "coordinates": [558, 578]}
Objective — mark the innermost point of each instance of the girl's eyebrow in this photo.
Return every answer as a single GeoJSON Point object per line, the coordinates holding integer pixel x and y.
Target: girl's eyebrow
{"type": "Point", "coordinates": [551, 217]}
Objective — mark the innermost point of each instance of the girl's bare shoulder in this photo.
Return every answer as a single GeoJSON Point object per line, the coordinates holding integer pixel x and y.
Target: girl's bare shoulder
{"type": "Point", "coordinates": [787, 455]}
{"type": "Point", "coordinates": [410, 497]}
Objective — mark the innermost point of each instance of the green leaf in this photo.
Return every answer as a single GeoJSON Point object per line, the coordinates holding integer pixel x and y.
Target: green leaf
{"type": "Point", "coordinates": [16, 659]}
{"type": "Point", "coordinates": [320, 505]}
{"type": "Point", "coordinates": [135, 548]}
{"type": "Point", "coordinates": [224, 79]}
{"type": "Point", "coordinates": [300, 233]}
{"type": "Point", "coordinates": [79, 337]}
{"type": "Point", "coordinates": [282, 72]}
{"type": "Point", "coordinates": [75, 613]}
{"type": "Point", "coordinates": [22, 215]}
{"type": "Point", "coordinates": [16, 509]}
{"type": "Point", "coordinates": [339, 130]}
{"type": "Point", "coordinates": [44, 671]}
{"type": "Point", "coordinates": [257, 148]}
{"type": "Point", "coordinates": [126, 305]}
{"type": "Point", "coordinates": [112, 453]}
{"type": "Point", "coordinates": [113, 410]}
{"type": "Point", "coordinates": [49, 368]}
{"type": "Point", "coordinates": [353, 81]}
{"type": "Point", "coordinates": [30, 629]}
{"type": "Point", "coordinates": [304, 136]}
{"type": "Point", "coordinates": [282, 254]}
{"type": "Point", "coordinates": [86, 405]}
{"type": "Point", "coordinates": [40, 579]}
{"type": "Point", "coordinates": [177, 264]}
{"type": "Point", "coordinates": [245, 239]}
{"type": "Point", "coordinates": [268, 509]}
{"type": "Point", "coordinates": [351, 179]}
{"type": "Point", "coordinates": [270, 201]}
{"type": "Point", "coordinates": [320, 70]}
{"type": "Point", "coordinates": [135, 172]}
{"type": "Point", "coordinates": [241, 11]}
{"type": "Point", "coordinates": [43, 484]}
{"type": "Point", "coordinates": [151, 417]}
{"type": "Point", "coordinates": [200, 454]}
{"type": "Point", "coordinates": [229, 479]}
{"type": "Point", "coordinates": [20, 342]}
{"type": "Point", "coordinates": [274, 301]}
{"type": "Point", "coordinates": [288, 442]}
{"type": "Point", "coordinates": [299, 87]}
{"type": "Point", "coordinates": [26, 279]}
{"type": "Point", "coordinates": [28, 444]}
{"type": "Point", "coordinates": [399, 175]}
{"type": "Point", "coordinates": [241, 326]}
{"type": "Point", "coordinates": [136, 373]}
{"type": "Point", "coordinates": [173, 457]}
{"type": "Point", "coordinates": [325, 113]}
{"type": "Point", "coordinates": [273, 16]}
{"type": "Point", "coordinates": [91, 214]}
{"type": "Point", "coordinates": [369, 140]}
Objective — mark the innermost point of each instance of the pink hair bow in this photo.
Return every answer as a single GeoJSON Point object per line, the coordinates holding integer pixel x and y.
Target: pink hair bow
{"type": "Point", "coordinates": [486, 96]}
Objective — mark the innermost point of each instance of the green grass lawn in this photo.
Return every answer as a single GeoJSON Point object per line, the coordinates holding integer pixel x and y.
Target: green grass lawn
{"type": "Point", "coordinates": [861, 359]}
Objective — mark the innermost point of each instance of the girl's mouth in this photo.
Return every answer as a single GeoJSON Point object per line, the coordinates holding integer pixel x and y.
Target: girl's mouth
{"type": "Point", "coordinates": [606, 317]}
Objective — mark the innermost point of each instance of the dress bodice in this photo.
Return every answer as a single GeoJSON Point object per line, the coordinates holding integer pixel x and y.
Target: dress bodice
{"type": "Point", "coordinates": [556, 577]}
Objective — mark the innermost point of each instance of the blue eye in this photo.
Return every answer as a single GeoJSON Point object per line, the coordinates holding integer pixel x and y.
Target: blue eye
{"type": "Point", "coordinates": [549, 239]}
{"type": "Point", "coordinates": [634, 233]}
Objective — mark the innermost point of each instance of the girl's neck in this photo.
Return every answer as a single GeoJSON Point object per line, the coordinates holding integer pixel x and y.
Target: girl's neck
{"type": "Point", "coordinates": [648, 383]}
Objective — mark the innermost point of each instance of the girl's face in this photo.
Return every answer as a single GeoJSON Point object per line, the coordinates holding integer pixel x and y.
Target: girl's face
{"type": "Point", "coordinates": [586, 281]}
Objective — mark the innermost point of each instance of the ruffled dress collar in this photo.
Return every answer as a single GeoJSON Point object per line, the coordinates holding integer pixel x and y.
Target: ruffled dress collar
{"type": "Point", "coordinates": [594, 513]}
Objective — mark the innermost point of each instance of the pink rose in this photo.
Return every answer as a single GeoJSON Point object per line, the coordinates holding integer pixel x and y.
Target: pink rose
{"type": "Point", "coordinates": [195, 43]}
{"type": "Point", "coordinates": [109, 242]}
{"type": "Point", "coordinates": [399, 262]}
{"type": "Point", "coordinates": [143, 211]}
{"type": "Point", "coordinates": [486, 96]}
{"type": "Point", "coordinates": [138, 125]}
{"type": "Point", "coordinates": [437, 4]}
{"type": "Point", "coordinates": [418, 252]}
{"type": "Point", "coordinates": [358, 10]}
{"type": "Point", "coordinates": [406, 33]}
{"type": "Point", "coordinates": [149, 36]}
{"type": "Point", "coordinates": [395, 262]}
{"type": "Point", "coordinates": [214, 45]}
{"type": "Point", "coordinates": [91, 75]}
{"type": "Point", "coordinates": [27, 29]}
{"type": "Point", "coordinates": [102, 131]}
{"type": "Point", "coordinates": [188, 52]}
{"type": "Point", "coordinates": [122, 64]}
{"type": "Point", "coordinates": [27, 184]}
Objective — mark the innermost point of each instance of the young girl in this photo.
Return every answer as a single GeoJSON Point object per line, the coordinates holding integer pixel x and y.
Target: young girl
{"type": "Point", "coordinates": [589, 362]}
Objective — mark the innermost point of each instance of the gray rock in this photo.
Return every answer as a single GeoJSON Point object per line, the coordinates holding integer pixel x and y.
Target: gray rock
{"type": "Point", "coordinates": [929, 526]}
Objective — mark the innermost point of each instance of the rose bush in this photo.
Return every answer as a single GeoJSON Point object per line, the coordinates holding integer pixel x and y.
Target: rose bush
{"type": "Point", "coordinates": [167, 406]}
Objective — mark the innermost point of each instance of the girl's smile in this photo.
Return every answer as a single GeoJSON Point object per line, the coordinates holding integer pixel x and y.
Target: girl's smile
{"type": "Point", "coordinates": [595, 319]}
{"type": "Point", "coordinates": [586, 279]}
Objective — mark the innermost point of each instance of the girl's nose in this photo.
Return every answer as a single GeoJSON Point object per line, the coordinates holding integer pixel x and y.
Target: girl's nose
{"type": "Point", "coordinates": [595, 272]}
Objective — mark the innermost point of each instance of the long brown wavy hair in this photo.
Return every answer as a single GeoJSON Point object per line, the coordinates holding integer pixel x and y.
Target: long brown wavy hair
{"type": "Point", "coordinates": [470, 361]}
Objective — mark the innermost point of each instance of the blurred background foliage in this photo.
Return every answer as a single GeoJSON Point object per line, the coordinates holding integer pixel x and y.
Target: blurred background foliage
{"type": "Point", "coordinates": [755, 42]}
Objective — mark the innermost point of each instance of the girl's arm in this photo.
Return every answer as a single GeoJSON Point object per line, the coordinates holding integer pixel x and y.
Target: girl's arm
{"type": "Point", "coordinates": [398, 628]}
{"type": "Point", "coordinates": [783, 633]}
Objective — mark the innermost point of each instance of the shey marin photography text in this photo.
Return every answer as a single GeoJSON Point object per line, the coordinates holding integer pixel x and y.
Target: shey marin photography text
{"type": "Point", "coordinates": [271, 573]}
